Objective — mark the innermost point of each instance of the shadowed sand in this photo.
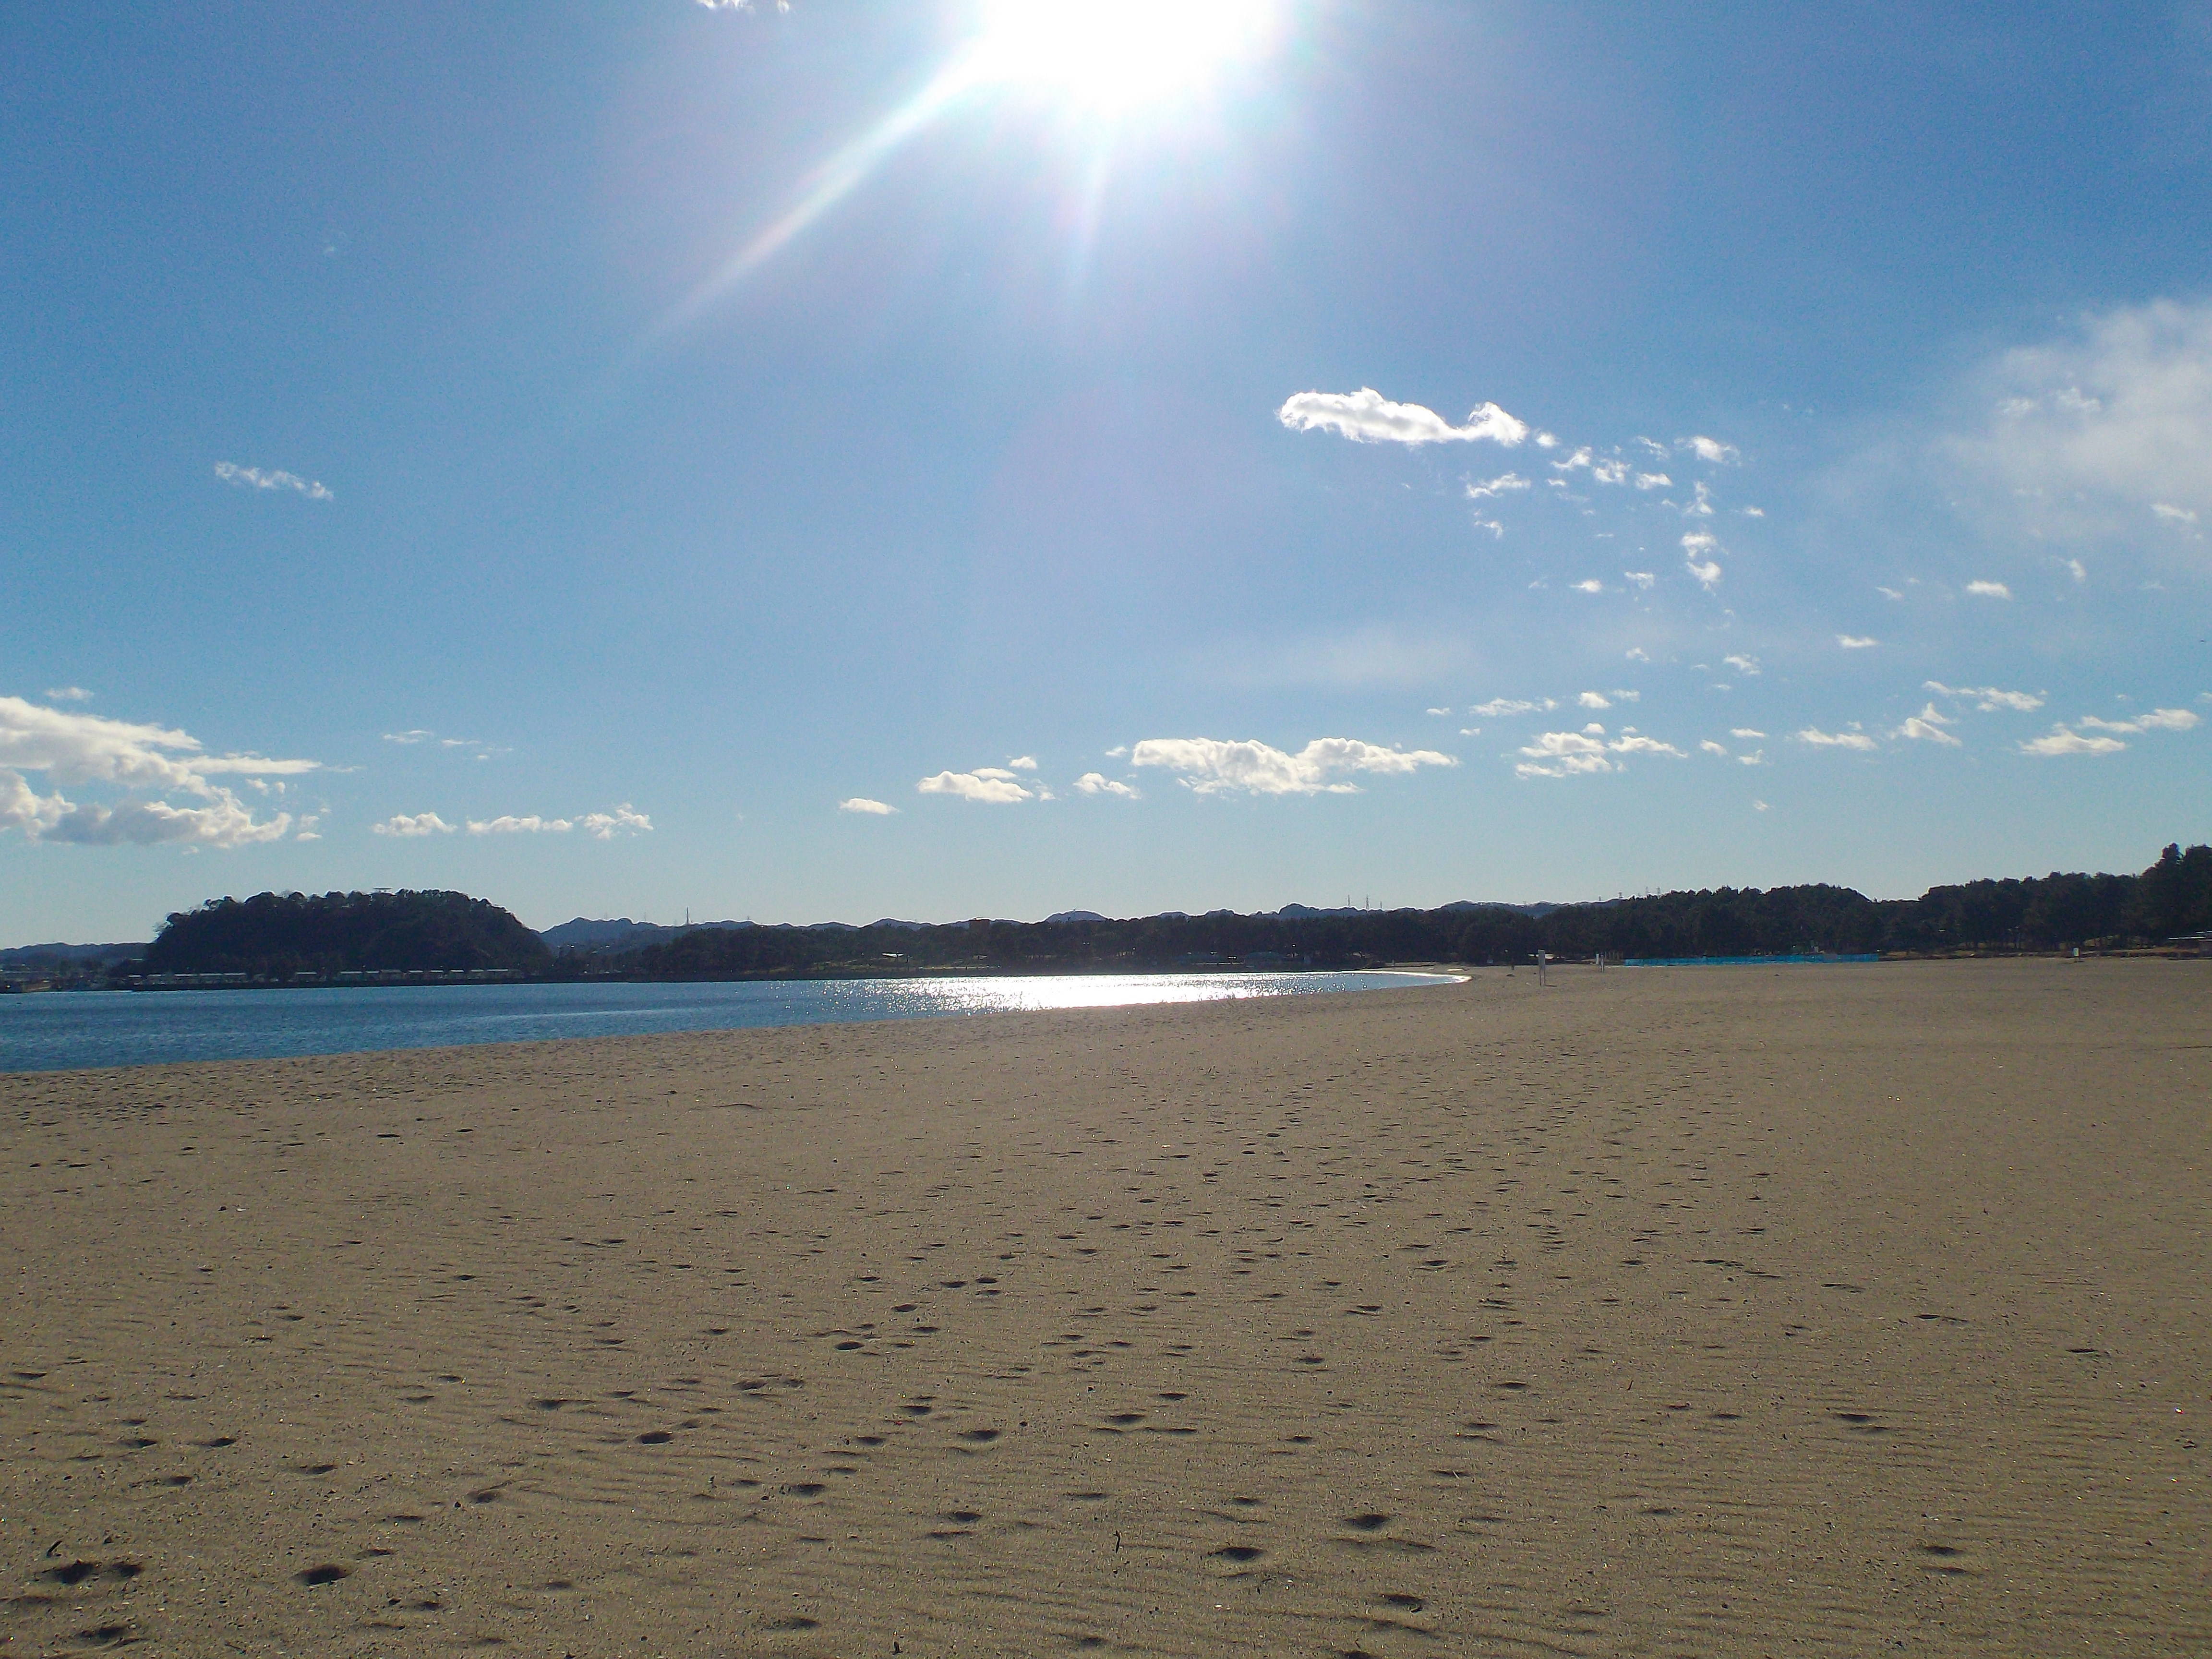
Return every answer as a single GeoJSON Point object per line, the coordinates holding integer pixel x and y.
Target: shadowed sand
{"type": "Point", "coordinates": [1703, 1311]}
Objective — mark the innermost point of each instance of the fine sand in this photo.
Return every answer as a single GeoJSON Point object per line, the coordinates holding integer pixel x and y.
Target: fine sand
{"type": "Point", "coordinates": [1831, 1310]}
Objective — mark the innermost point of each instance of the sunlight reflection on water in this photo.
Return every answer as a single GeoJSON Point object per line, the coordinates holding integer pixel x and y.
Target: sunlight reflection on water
{"type": "Point", "coordinates": [64, 1029]}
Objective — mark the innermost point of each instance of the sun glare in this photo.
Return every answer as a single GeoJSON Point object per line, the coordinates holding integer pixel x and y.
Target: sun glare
{"type": "Point", "coordinates": [1107, 56]}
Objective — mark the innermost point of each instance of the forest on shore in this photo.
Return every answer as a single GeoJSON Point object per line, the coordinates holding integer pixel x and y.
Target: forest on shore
{"type": "Point", "coordinates": [287, 938]}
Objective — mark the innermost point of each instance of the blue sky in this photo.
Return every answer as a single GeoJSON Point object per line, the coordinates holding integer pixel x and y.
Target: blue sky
{"type": "Point", "coordinates": [1164, 456]}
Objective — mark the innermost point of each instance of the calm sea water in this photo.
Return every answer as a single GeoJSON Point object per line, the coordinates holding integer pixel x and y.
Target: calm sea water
{"type": "Point", "coordinates": [53, 1032]}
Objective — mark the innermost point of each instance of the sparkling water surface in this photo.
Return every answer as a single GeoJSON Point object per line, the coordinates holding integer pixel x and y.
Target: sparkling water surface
{"type": "Point", "coordinates": [57, 1031]}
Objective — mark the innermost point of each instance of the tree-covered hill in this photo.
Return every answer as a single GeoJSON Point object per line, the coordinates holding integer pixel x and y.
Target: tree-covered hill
{"type": "Point", "coordinates": [279, 935]}
{"type": "Point", "coordinates": [2173, 896]}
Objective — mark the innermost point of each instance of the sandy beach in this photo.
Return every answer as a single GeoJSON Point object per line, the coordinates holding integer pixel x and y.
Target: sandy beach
{"type": "Point", "coordinates": [1695, 1311]}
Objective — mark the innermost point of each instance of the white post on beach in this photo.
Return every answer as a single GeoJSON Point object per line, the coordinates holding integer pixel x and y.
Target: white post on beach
{"type": "Point", "coordinates": [1543, 963]}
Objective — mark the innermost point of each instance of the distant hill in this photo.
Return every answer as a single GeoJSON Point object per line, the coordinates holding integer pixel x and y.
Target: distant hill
{"type": "Point", "coordinates": [279, 935]}
{"type": "Point", "coordinates": [618, 935]}
{"type": "Point", "coordinates": [40, 955]}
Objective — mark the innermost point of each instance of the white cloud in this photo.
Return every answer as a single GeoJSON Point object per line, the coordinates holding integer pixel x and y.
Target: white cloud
{"type": "Point", "coordinates": [1592, 585]}
{"type": "Point", "coordinates": [1712, 748]}
{"type": "Point", "coordinates": [1024, 762]}
{"type": "Point", "coordinates": [1748, 666]}
{"type": "Point", "coordinates": [412, 824]}
{"type": "Point", "coordinates": [1856, 641]}
{"type": "Point", "coordinates": [2167, 720]}
{"type": "Point", "coordinates": [508, 824]}
{"type": "Point", "coordinates": [74, 749]}
{"type": "Point", "coordinates": [1564, 754]}
{"type": "Point", "coordinates": [1367, 416]}
{"type": "Point", "coordinates": [67, 694]}
{"type": "Point", "coordinates": [1504, 483]}
{"type": "Point", "coordinates": [416, 736]}
{"type": "Point", "coordinates": [1213, 766]}
{"type": "Point", "coordinates": [2060, 741]}
{"type": "Point", "coordinates": [1581, 457]}
{"type": "Point", "coordinates": [1989, 590]}
{"type": "Point", "coordinates": [624, 819]}
{"type": "Point", "coordinates": [1610, 472]}
{"type": "Point", "coordinates": [1927, 727]}
{"type": "Point", "coordinates": [1819, 739]}
{"type": "Point", "coordinates": [1643, 579]}
{"type": "Point", "coordinates": [1701, 503]}
{"type": "Point", "coordinates": [1499, 707]}
{"type": "Point", "coordinates": [1745, 731]}
{"type": "Point", "coordinates": [254, 478]}
{"type": "Point", "coordinates": [1096, 783]}
{"type": "Point", "coordinates": [1631, 742]}
{"type": "Point", "coordinates": [1988, 698]}
{"type": "Point", "coordinates": [1587, 752]}
{"type": "Point", "coordinates": [987, 784]}
{"type": "Point", "coordinates": [1707, 571]}
{"type": "Point", "coordinates": [1709, 449]}
{"type": "Point", "coordinates": [2090, 433]}
{"type": "Point", "coordinates": [1594, 700]}
{"type": "Point", "coordinates": [1653, 481]}
{"type": "Point", "coordinates": [1889, 593]}
{"type": "Point", "coordinates": [1757, 758]}
{"type": "Point", "coordinates": [1637, 653]}
{"type": "Point", "coordinates": [2159, 719]}
{"type": "Point", "coordinates": [862, 804]}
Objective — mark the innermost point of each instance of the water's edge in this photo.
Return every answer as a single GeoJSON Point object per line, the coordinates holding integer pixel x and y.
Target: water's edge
{"type": "Point", "coordinates": [72, 1030]}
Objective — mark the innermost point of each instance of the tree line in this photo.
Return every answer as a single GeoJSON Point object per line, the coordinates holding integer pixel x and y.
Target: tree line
{"type": "Point", "coordinates": [2054, 911]}
{"type": "Point", "coordinates": [280, 937]}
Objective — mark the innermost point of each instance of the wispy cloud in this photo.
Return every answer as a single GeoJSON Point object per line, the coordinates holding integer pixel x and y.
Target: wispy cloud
{"type": "Point", "coordinates": [2089, 435]}
{"type": "Point", "coordinates": [1098, 783]}
{"type": "Point", "coordinates": [1710, 450]}
{"type": "Point", "coordinates": [409, 825]}
{"type": "Point", "coordinates": [252, 477]}
{"type": "Point", "coordinates": [418, 735]}
{"type": "Point", "coordinates": [74, 749]}
{"type": "Point", "coordinates": [992, 786]}
{"type": "Point", "coordinates": [2061, 741]}
{"type": "Point", "coordinates": [1746, 665]}
{"type": "Point", "coordinates": [1856, 641]}
{"type": "Point", "coordinates": [1367, 416]}
{"type": "Point", "coordinates": [1819, 739]}
{"type": "Point", "coordinates": [1504, 484]}
{"type": "Point", "coordinates": [508, 824]}
{"type": "Point", "coordinates": [1927, 727]}
{"type": "Point", "coordinates": [1986, 590]}
{"type": "Point", "coordinates": [2159, 719]}
{"type": "Point", "coordinates": [1988, 698]}
{"type": "Point", "coordinates": [862, 805]}
{"type": "Point", "coordinates": [1499, 708]}
{"type": "Point", "coordinates": [1213, 766]}
{"type": "Point", "coordinates": [67, 694]}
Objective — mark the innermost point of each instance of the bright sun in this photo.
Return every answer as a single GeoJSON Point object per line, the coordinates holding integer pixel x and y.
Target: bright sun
{"type": "Point", "coordinates": [1107, 57]}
